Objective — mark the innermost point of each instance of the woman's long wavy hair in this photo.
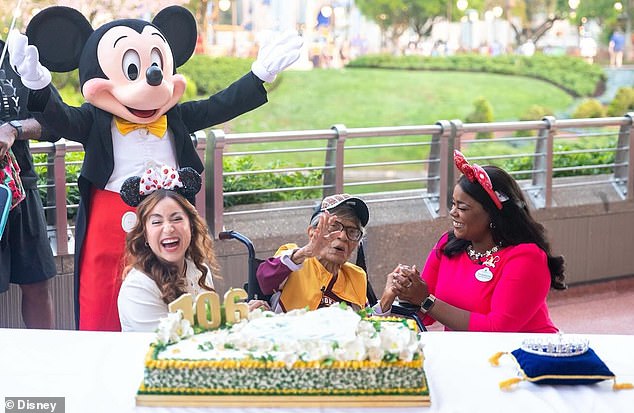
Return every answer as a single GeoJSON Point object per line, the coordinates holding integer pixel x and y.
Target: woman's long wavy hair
{"type": "Point", "coordinates": [511, 225]}
{"type": "Point", "coordinates": [138, 254]}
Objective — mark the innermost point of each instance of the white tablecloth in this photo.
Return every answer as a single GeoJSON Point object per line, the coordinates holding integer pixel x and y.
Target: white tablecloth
{"type": "Point", "coordinates": [100, 372]}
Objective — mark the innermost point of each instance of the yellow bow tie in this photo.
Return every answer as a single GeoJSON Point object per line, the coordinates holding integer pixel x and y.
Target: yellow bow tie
{"type": "Point", "coordinates": [156, 128]}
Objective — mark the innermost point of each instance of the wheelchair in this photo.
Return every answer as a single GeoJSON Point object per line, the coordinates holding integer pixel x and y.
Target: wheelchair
{"type": "Point", "coordinates": [254, 292]}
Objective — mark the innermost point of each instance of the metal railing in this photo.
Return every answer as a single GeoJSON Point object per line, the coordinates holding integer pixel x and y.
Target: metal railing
{"type": "Point", "coordinates": [398, 163]}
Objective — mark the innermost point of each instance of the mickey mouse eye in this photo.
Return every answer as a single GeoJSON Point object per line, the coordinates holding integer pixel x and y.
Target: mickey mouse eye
{"type": "Point", "coordinates": [156, 58]}
{"type": "Point", "coordinates": [131, 64]}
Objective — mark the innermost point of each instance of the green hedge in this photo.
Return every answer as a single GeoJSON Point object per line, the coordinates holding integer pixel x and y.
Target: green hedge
{"type": "Point", "coordinates": [268, 180]}
{"type": "Point", "coordinates": [212, 74]}
{"type": "Point", "coordinates": [482, 113]}
{"type": "Point", "coordinates": [622, 103]}
{"type": "Point", "coordinates": [570, 160]}
{"type": "Point", "coordinates": [72, 175]}
{"type": "Point", "coordinates": [572, 74]}
{"type": "Point", "coordinates": [589, 108]}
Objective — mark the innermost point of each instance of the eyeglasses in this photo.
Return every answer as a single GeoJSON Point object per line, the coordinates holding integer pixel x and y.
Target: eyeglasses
{"type": "Point", "coordinates": [353, 233]}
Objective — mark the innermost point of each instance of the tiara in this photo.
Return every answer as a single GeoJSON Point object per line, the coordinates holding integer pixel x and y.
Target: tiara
{"type": "Point", "coordinates": [560, 347]}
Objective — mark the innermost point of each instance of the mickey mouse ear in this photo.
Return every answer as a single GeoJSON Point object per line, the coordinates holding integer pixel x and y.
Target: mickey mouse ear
{"type": "Point", "coordinates": [130, 191]}
{"type": "Point", "coordinates": [59, 33]}
{"type": "Point", "coordinates": [179, 27]}
{"type": "Point", "coordinates": [192, 182]}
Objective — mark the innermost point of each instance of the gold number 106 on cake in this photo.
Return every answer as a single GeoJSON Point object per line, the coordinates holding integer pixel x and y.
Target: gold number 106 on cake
{"type": "Point", "coordinates": [234, 311]}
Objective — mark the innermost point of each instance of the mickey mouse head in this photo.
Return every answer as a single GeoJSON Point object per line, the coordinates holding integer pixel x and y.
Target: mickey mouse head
{"type": "Point", "coordinates": [126, 67]}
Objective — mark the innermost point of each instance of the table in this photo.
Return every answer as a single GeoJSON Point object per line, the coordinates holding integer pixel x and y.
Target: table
{"type": "Point", "coordinates": [100, 372]}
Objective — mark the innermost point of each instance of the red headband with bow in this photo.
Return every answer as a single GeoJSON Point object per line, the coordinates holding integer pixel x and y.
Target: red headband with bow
{"type": "Point", "coordinates": [476, 173]}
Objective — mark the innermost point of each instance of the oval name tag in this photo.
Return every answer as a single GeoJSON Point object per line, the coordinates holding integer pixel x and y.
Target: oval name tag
{"type": "Point", "coordinates": [128, 221]}
{"type": "Point", "coordinates": [484, 274]}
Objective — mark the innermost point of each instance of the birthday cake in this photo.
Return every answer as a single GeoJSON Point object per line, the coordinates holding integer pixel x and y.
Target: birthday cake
{"type": "Point", "coordinates": [331, 354]}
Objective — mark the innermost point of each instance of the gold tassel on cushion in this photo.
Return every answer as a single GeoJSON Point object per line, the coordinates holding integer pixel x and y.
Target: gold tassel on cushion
{"type": "Point", "coordinates": [506, 384]}
{"type": "Point", "coordinates": [622, 386]}
{"type": "Point", "coordinates": [495, 359]}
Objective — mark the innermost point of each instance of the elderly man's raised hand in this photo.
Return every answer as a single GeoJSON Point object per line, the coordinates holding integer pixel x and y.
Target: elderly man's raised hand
{"type": "Point", "coordinates": [277, 55]}
{"type": "Point", "coordinates": [24, 59]}
{"type": "Point", "coordinates": [320, 237]}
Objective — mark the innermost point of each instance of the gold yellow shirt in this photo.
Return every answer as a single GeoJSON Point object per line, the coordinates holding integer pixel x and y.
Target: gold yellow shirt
{"type": "Point", "coordinates": [303, 288]}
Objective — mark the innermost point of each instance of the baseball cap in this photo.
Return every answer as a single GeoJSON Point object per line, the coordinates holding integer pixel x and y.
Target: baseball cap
{"type": "Point", "coordinates": [332, 201]}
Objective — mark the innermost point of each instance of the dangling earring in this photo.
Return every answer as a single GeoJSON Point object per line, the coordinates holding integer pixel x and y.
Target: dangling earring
{"type": "Point", "coordinates": [491, 225]}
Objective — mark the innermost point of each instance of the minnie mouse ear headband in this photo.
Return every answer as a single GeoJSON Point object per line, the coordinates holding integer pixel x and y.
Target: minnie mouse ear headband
{"type": "Point", "coordinates": [186, 181]}
{"type": "Point", "coordinates": [475, 173]}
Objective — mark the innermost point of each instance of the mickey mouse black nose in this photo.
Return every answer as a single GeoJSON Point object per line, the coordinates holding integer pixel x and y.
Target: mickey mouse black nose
{"type": "Point", "coordinates": [154, 76]}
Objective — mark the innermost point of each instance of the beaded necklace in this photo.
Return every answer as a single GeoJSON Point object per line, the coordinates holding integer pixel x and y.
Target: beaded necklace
{"type": "Point", "coordinates": [477, 256]}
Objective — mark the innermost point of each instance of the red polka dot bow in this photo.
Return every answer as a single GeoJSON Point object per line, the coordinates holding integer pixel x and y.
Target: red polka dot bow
{"type": "Point", "coordinates": [476, 173]}
{"type": "Point", "coordinates": [163, 177]}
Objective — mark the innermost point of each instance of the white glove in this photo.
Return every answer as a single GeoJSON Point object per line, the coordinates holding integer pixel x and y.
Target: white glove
{"type": "Point", "coordinates": [277, 55]}
{"type": "Point", "coordinates": [24, 60]}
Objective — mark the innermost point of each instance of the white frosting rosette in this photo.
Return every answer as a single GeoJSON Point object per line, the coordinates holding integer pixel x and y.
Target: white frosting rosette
{"type": "Point", "coordinates": [173, 328]}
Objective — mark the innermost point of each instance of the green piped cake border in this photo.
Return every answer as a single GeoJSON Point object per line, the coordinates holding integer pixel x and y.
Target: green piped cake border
{"type": "Point", "coordinates": [411, 397]}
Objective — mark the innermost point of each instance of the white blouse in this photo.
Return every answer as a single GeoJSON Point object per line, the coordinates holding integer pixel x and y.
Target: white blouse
{"type": "Point", "coordinates": [140, 303]}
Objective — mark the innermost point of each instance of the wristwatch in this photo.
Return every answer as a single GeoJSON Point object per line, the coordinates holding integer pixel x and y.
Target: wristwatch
{"type": "Point", "coordinates": [427, 304]}
{"type": "Point", "coordinates": [17, 125]}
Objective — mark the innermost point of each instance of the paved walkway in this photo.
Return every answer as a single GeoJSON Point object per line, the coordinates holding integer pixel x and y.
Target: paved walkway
{"type": "Point", "coordinates": [616, 78]}
{"type": "Point", "coordinates": [597, 308]}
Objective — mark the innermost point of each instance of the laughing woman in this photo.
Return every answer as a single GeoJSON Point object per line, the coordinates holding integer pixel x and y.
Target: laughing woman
{"type": "Point", "coordinates": [168, 251]}
{"type": "Point", "coordinates": [493, 270]}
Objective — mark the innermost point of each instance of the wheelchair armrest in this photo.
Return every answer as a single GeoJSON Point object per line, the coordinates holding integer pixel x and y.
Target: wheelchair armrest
{"type": "Point", "coordinates": [409, 310]}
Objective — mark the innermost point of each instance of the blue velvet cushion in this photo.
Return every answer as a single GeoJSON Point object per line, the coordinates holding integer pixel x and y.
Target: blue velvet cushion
{"type": "Point", "coordinates": [584, 368]}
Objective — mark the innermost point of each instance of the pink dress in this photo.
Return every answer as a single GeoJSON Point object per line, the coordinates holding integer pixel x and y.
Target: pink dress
{"type": "Point", "coordinates": [508, 295]}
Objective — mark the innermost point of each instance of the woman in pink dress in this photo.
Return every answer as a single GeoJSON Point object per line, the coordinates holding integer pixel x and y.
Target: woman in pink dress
{"type": "Point", "coordinates": [492, 271]}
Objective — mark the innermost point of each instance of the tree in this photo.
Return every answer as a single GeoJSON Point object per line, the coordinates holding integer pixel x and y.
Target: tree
{"type": "Point", "coordinates": [531, 19]}
{"type": "Point", "coordinates": [394, 17]}
{"type": "Point", "coordinates": [199, 9]}
{"type": "Point", "coordinates": [390, 15]}
{"type": "Point", "coordinates": [424, 14]}
{"type": "Point", "coordinates": [604, 13]}
{"type": "Point", "coordinates": [99, 12]}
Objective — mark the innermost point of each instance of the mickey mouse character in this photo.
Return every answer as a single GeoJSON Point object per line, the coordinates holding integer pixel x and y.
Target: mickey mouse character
{"type": "Point", "coordinates": [127, 73]}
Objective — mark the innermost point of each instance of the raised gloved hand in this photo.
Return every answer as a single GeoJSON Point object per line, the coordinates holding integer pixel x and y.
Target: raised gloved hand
{"type": "Point", "coordinates": [277, 55]}
{"type": "Point", "coordinates": [24, 59]}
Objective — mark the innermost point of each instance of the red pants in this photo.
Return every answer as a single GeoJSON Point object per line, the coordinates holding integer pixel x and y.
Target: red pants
{"type": "Point", "coordinates": [101, 262]}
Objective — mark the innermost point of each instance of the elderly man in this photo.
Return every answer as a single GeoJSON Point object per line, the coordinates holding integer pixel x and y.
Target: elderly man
{"type": "Point", "coordinates": [319, 274]}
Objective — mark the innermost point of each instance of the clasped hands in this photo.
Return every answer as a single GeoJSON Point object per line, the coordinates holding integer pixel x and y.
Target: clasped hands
{"type": "Point", "coordinates": [405, 283]}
